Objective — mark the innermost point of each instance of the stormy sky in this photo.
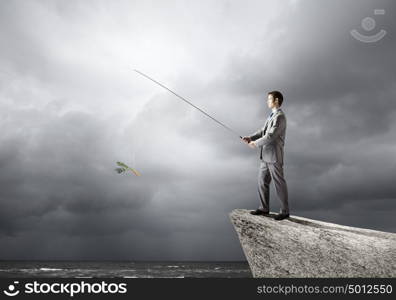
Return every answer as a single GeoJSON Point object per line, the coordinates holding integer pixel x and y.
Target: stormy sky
{"type": "Point", "coordinates": [71, 106]}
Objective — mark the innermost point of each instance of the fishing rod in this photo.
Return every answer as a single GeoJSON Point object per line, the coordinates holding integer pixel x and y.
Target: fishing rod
{"type": "Point", "coordinates": [185, 100]}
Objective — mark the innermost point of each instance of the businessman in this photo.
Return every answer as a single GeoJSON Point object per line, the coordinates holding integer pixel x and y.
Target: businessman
{"type": "Point", "coordinates": [270, 140]}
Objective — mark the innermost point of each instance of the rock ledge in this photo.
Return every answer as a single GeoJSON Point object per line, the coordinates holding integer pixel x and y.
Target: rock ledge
{"type": "Point", "coordinates": [301, 247]}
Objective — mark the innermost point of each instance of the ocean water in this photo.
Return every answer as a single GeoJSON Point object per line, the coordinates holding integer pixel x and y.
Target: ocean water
{"type": "Point", "coordinates": [125, 269]}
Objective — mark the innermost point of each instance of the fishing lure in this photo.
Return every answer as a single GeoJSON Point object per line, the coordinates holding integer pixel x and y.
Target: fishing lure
{"type": "Point", "coordinates": [124, 168]}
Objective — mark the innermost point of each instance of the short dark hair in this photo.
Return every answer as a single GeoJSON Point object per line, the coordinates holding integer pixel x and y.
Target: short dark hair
{"type": "Point", "coordinates": [277, 94]}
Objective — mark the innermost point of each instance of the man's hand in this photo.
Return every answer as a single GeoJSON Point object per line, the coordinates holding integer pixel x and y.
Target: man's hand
{"type": "Point", "coordinates": [246, 139]}
{"type": "Point", "coordinates": [252, 145]}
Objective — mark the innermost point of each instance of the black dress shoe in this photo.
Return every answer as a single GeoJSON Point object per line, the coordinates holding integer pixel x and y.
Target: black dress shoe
{"type": "Point", "coordinates": [281, 216]}
{"type": "Point", "coordinates": [258, 212]}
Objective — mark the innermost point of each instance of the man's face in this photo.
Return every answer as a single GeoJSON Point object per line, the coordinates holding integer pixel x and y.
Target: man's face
{"type": "Point", "coordinates": [271, 101]}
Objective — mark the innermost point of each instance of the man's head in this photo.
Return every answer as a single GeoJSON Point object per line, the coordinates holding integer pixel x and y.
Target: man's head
{"type": "Point", "coordinates": [275, 99]}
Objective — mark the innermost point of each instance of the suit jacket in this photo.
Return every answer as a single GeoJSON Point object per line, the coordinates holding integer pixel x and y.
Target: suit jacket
{"type": "Point", "coordinates": [271, 138]}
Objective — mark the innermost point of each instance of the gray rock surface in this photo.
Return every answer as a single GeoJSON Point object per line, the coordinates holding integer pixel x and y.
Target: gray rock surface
{"type": "Point", "coordinates": [301, 247]}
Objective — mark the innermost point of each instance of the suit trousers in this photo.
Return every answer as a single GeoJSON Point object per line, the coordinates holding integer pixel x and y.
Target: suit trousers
{"type": "Point", "coordinates": [268, 172]}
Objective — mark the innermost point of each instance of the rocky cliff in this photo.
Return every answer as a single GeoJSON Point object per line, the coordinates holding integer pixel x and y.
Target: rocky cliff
{"type": "Point", "coordinates": [301, 247]}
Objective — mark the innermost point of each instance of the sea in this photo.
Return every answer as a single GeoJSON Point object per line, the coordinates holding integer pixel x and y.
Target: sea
{"type": "Point", "coordinates": [124, 269]}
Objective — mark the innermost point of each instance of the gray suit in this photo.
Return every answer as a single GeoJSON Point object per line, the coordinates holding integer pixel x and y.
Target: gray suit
{"type": "Point", "coordinates": [271, 140]}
